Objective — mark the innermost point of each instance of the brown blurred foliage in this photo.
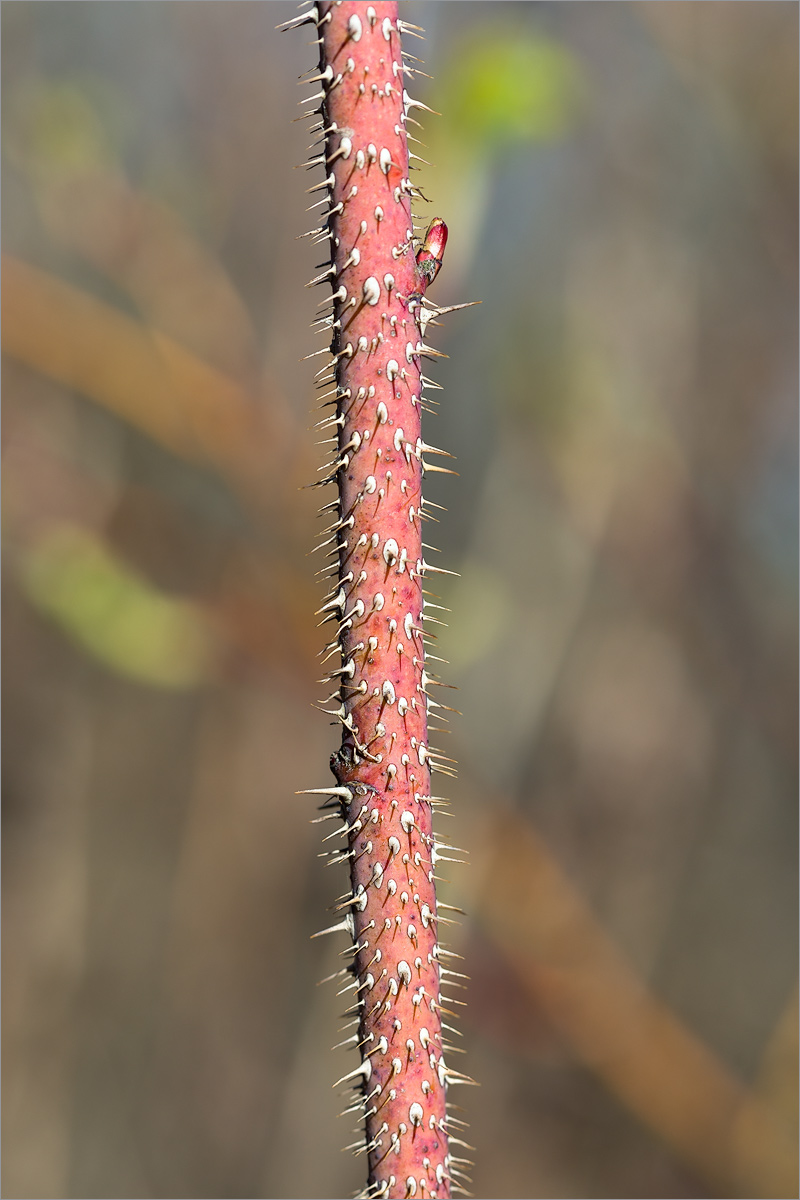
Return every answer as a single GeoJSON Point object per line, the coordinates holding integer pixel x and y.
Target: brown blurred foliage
{"type": "Point", "coordinates": [620, 183]}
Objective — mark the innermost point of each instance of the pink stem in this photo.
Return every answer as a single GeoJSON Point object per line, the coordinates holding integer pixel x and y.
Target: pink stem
{"type": "Point", "coordinates": [383, 768]}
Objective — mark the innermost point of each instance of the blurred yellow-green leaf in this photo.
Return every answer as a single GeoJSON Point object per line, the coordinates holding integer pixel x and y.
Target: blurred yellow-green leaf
{"type": "Point", "coordinates": [114, 614]}
{"type": "Point", "coordinates": [63, 125]}
{"type": "Point", "coordinates": [510, 87]}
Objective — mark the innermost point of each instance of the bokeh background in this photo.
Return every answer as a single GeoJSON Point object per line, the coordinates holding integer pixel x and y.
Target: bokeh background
{"type": "Point", "coordinates": [620, 182]}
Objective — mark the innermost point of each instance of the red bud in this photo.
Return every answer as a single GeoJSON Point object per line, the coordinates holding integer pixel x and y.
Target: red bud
{"type": "Point", "coordinates": [429, 258]}
{"type": "Point", "coordinates": [436, 238]}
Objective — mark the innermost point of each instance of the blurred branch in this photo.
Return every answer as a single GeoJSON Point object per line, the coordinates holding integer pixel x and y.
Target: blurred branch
{"type": "Point", "coordinates": [61, 139]}
{"type": "Point", "coordinates": [141, 375]}
{"type": "Point", "coordinates": [592, 995]}
{"type": "Point", "coordinates": [778, 1072]}
{"type": "Point", "coordinates": [145, 248]}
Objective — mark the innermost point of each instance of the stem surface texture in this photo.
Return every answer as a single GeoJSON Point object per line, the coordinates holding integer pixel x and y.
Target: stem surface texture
{"type": "Point", "coordinates": [375, 390]}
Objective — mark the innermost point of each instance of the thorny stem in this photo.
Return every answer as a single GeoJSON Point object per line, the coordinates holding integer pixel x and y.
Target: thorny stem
{"type": "Point", "coordinates": [383, 769]}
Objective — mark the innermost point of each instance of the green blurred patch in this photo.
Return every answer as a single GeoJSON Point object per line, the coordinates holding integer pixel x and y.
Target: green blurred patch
{"type": "Point", "coordinates": [500, 88]}
{"type": "Point", "coordinates": [481, 611]}
{"type": "Point", "coordinates": [114, 614]}
{"type": "Point", "coordinates": [67, 125]}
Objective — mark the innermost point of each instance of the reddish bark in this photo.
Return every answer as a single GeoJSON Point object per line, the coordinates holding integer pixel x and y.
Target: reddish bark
{"type": "Point", "coordinates": [383, 768]}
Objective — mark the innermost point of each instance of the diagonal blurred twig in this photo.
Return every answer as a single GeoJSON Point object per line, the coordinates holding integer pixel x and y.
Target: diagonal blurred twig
{"type": "Point", "coordinates": [592, 995]}
{"type": "Point", "coordinates": [141, 375]}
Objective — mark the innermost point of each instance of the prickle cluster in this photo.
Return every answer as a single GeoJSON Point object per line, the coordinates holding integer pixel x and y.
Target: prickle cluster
{"type": "Point", "coordinates": [372, 382]}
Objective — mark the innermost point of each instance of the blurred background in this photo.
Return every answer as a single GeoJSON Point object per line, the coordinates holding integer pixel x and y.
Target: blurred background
{"type": "Point", "coordinates": [620, 183]}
